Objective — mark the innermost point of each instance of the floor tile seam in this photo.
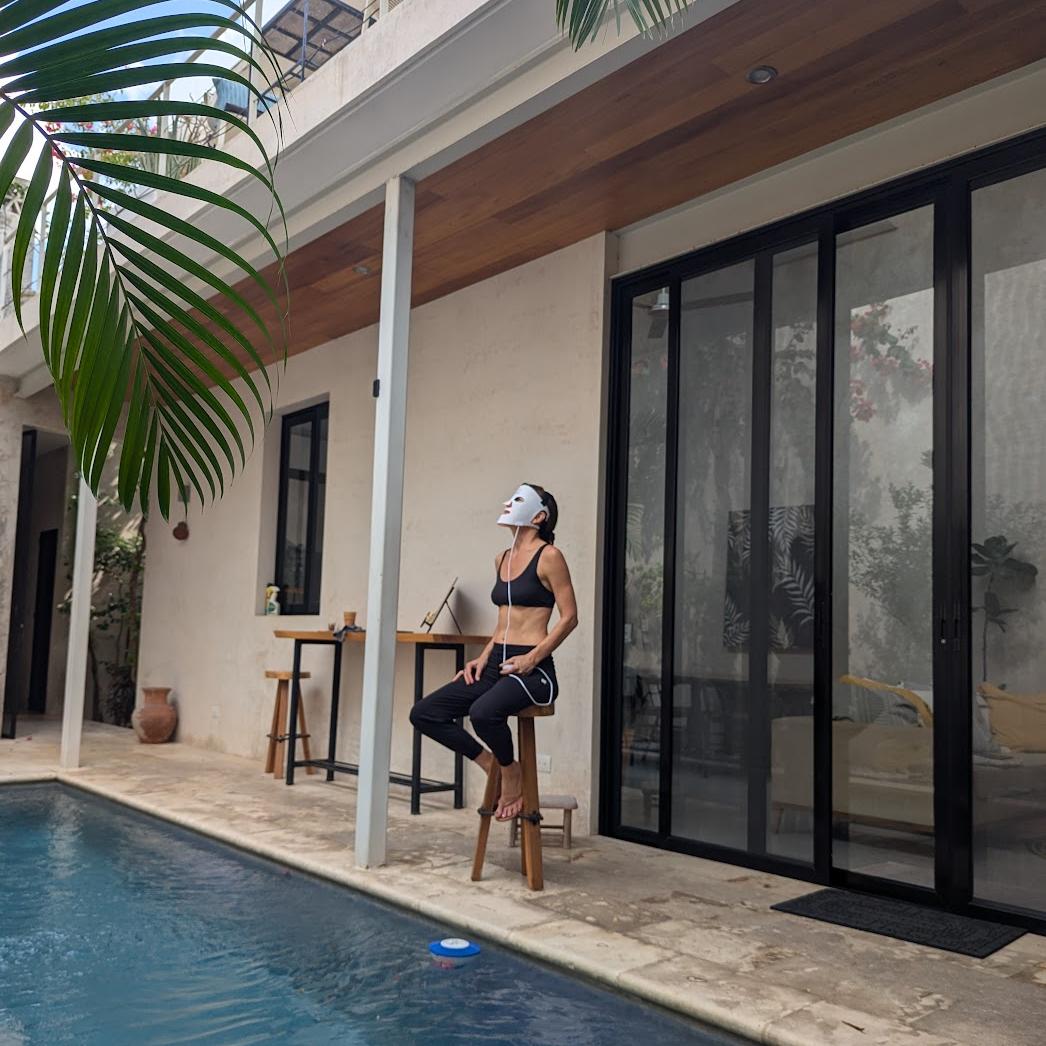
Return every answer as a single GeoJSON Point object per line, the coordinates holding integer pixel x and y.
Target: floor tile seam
{"type": "Point", "coordinates": [773, 1035]}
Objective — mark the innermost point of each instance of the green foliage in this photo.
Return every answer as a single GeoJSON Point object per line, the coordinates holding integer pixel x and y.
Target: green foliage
{"type": "Point", "coordinates": [127, 331]}
{"type": "Point", "coordinates": [116, 601]}
{"type": "Point", "coordinates": [581, 19]}
{"type": "Point", "coordinates": [118, 559]}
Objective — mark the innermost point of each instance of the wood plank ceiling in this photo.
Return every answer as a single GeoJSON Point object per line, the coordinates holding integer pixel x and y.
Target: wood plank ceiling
{"type": "Point", "coordinates": [673, 125]}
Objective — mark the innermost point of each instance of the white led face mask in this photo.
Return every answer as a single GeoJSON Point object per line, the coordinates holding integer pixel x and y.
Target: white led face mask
{"type": "Point", "coordinates": [521, 508]}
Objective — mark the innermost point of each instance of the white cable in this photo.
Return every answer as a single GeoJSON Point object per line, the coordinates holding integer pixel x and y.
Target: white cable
{"type": "Point", "coordinates": [508, 586]}
{"type": "Point", "coordinates": [504, 637]}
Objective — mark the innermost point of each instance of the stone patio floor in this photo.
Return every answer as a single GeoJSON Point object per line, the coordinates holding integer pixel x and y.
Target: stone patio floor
{"type": "Point", "coordinates": [695, 936]}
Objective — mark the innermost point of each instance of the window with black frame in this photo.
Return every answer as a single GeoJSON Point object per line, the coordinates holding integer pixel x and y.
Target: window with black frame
{"type": "Point", "coordinates": [299, 525]}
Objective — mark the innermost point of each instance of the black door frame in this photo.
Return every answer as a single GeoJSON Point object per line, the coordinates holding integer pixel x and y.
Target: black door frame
{"type": "Point", "coordinates": [948, 187]}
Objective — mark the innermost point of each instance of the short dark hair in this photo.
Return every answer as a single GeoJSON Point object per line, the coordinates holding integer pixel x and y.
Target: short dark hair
{"type": "Point", "coordinates": [547, 528]}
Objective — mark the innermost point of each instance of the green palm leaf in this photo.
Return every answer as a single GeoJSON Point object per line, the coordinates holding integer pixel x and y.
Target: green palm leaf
{"type": "Point", "coordinates": [581, 19]}
{"type": "Point", "coordinates": [138, 333]}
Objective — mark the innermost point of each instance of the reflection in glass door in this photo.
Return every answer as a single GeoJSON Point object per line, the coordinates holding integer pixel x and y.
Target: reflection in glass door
{"type": "Point", "coordinates": [742, 595]}
{"type": "Point", "coordinates": [882, 645]}
{"type": "Point", "coordinates": [711, 695]}
{"type": "Point", "coordinates": [640, 683]}
{"type": "Point", "coordinates": [1008, 530]}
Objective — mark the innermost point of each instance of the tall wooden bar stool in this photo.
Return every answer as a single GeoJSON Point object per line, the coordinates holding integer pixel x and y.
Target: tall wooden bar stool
{"type": "Point", "coordinates": [530, 818]}
{"type": "Point", "coordinates": [275, 754]}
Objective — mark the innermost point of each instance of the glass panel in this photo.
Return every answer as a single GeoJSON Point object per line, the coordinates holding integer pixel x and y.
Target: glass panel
{"type": "Point", "coordinates": [644, 560]}
{"type": "Point", "coordinates": [296, 526]}
{"type": "Point", "coordinates": [709, 771]}
{"type": "Point", "coordinates": [1008, 500]}
{"type": "Point", "coordinates": [882, 729]}
{"type": "Point", "coordinates": [790, 662]}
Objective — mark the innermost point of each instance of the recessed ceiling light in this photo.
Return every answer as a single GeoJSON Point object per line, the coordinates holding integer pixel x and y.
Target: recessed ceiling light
{"type": "Point", "coordinates": [363, 270]}
{"type": "Point", "coordinates": [761, 74]}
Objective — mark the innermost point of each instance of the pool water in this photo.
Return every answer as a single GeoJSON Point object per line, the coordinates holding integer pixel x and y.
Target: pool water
{"type": "Point", "coordinates": [118, 929]}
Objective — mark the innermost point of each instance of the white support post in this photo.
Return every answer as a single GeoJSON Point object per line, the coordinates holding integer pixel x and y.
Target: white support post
{"type": "Point", "coordinates": [386, 522]}
{"type": "Point", "coordinates": [79, 627]}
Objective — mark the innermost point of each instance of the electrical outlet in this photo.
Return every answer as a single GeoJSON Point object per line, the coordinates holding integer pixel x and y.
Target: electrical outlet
{"type": "Point", "coordinates": [216, 711]}
{"type": "Point", "coordinates": [544, 764]}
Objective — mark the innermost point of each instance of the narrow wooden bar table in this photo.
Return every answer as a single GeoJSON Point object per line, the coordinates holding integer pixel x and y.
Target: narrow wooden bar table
{"type": "Point", "coordinates": [423, 643]}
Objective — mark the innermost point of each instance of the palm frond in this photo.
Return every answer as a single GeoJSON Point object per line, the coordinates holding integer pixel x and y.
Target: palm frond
{"type": "Point", "coordinates": [138, 333]}
{"type": "Point", "coordinates": [581, 19]}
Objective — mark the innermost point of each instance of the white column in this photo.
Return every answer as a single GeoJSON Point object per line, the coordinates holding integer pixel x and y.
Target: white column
{"type": "Point", "coordinates": [79, 627]}
{"type": "Point", "coordinates": [386, 521]}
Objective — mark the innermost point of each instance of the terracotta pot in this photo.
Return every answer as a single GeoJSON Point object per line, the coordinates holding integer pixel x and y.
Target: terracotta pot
{"type": "Point", "coordinates": [155, 721]}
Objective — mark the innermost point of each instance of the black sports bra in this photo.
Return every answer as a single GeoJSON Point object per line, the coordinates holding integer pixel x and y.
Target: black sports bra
{"type": "Point", "coordinates": [527, 589]}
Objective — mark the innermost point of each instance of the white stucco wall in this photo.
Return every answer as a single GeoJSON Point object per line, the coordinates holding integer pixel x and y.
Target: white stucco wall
{"type": "Point", "coordinates": [505, 387]}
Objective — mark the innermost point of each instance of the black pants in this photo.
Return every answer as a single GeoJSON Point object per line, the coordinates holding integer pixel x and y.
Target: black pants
{"type": "Point", "coordinates": [488, 703]}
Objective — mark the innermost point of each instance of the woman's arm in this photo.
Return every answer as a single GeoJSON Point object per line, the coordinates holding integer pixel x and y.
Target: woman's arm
{"type": "Point", "coordinates": [553, 570]}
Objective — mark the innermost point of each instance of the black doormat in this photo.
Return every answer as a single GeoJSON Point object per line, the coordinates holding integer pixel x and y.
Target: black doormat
{"type": "Point", "coordinates": [905, 921]}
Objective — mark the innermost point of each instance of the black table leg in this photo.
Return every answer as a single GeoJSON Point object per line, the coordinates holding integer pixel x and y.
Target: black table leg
{"type": "Point", "coordinates": [292, 725]}
{"type": "Point", "coordinates": [415, 762]}
{"type": "Point", "coordinates": [332, 736]}
{"type": "Point", "coordinates": [459, 773]}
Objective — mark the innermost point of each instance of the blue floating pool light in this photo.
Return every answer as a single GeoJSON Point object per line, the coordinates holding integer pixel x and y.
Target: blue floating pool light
{"type": "Point", "coordinates": [451, 951]}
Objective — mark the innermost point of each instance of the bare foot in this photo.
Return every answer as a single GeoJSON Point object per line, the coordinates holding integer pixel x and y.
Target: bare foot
{"type": "Point", "coordinates": [511, 802]}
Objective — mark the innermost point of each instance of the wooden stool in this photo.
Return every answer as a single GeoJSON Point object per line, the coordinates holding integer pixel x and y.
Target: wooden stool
{"type": "Point", "coordinates": [274, 756]}
{"type": "Point", "coordinates": [530, 842]}
{"type": "Point", "coordinates": [566, 803]}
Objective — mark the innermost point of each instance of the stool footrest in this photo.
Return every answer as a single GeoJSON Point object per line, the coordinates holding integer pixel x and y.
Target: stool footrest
{"type": "Point", "coordinates": [529, 819]}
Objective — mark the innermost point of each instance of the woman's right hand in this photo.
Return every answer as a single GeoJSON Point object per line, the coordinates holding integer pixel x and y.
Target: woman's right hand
{"type": "Point", "coordinates": [472, 671]}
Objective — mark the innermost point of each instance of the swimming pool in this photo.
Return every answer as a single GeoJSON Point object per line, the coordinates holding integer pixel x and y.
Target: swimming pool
{"type": "Point", "coordinates": [118, 929]}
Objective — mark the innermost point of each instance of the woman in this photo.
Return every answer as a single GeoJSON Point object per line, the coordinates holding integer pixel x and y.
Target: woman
{"type": "Point", "coordinates": [515, 668]}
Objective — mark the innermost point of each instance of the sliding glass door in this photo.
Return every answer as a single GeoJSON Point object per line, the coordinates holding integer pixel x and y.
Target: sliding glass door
{"type": "Point", "coordinates": [827, 517]}
{"type": "Point", "coordinates": [1008, 531]}
{"type": "Point", "coordinates": [721, 398]}
{"type": "Point", "coordinates": [882, 534]}
{"type": "Point", "coordinates": [712, 686]}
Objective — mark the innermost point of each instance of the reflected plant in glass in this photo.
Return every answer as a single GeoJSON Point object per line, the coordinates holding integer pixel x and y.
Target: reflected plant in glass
{"type": "Point", "coordinates": [993, 560]}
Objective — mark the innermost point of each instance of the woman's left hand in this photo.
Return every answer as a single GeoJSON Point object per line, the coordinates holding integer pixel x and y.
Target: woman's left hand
{"type": "Point", "coordinates": [519, 665]}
